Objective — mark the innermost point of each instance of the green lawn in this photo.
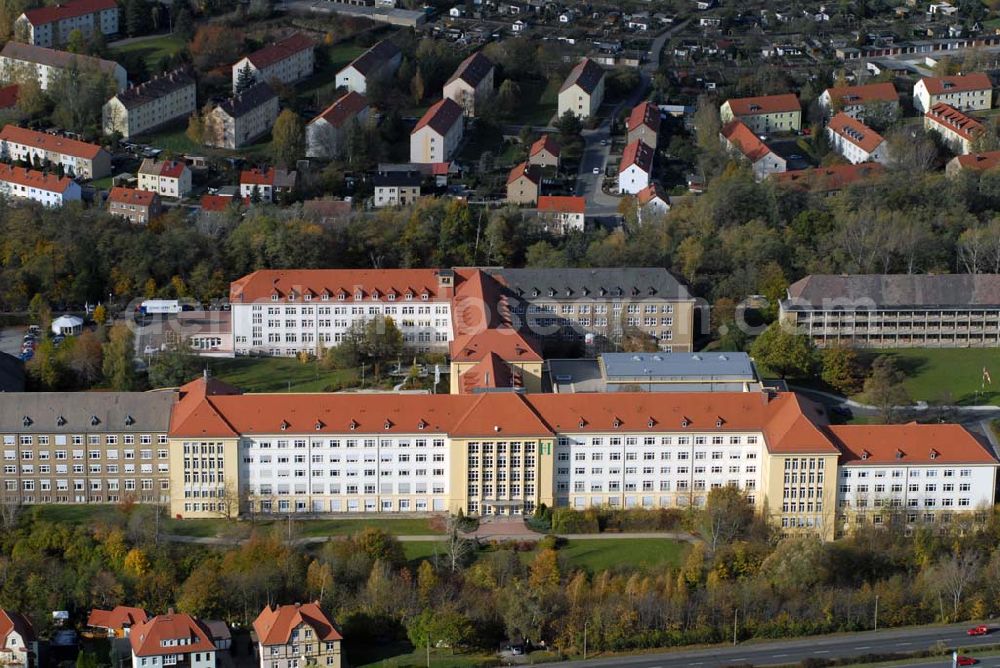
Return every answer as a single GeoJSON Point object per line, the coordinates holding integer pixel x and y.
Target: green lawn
{"type": "Point", "coordinates": [175, 140]}
{"type": "Point", "coordinates": [74, 514]}
{"type": "Point", "coordinates": [153, 48]}
{"type": "Point", "coordinates": [539, 102]}
{"type": "Point", "coordinates": [597, 555]}
{"type": "Point", "coordinates": [400, 655]}
{"type": "Point", "coordinates": [280, 374]}
{"type": "Point", "coordinates": [949, 375]}
{"type": "Point", "coordinates": [417, 551]}
{"type": "Point", "coordinates": [337, 56]}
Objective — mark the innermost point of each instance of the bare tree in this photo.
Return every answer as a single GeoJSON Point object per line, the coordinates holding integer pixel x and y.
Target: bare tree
{"type": "Point", "coordinates": [953, 576]}
{"type": "Point", "coordinates": [458, 547]}
{"type": "Point", "coordinates": [10, 511]}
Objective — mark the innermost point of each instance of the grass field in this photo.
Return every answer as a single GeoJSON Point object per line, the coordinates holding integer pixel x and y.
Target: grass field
{"type": "Point", "coordinates": [418, 551]}
{"type": "Point", "coordinates": [277, 374]}
{"type": "Point", "coordinates": [948, 375]}
{"type": "Point", "coordinates": [153, 48]}
{"type": "Point", "coordinates": [597, 555]}
{"type": "Point", "coordinates": [539, 102]}
{"type": "Point", "coordinates": [337, 56]}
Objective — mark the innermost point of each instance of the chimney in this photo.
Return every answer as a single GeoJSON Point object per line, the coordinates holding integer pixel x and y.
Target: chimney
{"type": "Point", "coordinates": [170, 611]}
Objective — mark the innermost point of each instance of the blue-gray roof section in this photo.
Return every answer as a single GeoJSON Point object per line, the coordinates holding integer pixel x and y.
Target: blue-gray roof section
{"type": "Point", "coordinates": [678, 367]}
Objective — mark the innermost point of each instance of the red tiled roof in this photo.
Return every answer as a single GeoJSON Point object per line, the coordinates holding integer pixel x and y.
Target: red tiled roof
{"type": "Point", "coordinates": [286, 48]}
{"type": "Point", "coordinates": [834, 177]}
{"type": "Point", "coordinates": [530, 172]}
{"type": "Point", "coordinates": [260, 285]}
{"type": "Point", "coordinates": [510, 344]}
{"type": "Point", "coordinates": [544, 143]}
{"type": "Point", "coordinates": [131, 196]}
{"type": "Point", "coordinates": [72, 9]}
{"type": "Point", "coordinates": [215, 203]}
{"type": "Point", "coordinates": [649, 193]}
{"type": "Point", "coordinates": [194, 413]}
{"type": "Point", "coordinates": [117, 618]}
{"type": "Point", "coordinates": [492, 372]}
{"type": "Point", "coordinates": [637, 153]}
{"type": "Point", "coordinates": [646, 114]}
{"type": "Point", "coordinates": [172, 169]}
{"type": "Point", "coordinates": [909, 444]}
{"type": "Point", "coordinates": [274, 626]}
{"type": "Point", "coordinates": [953, 119]}
{"type": "Point", "coordinates": [744, 140]}
{"type": "Point", "coordinates": [855, 132]}
{"type": "Point", "coordinates": [33, 179]}
{"type": "Point", "coordinates": [960, 83]}
{"type": "Point", "coordinates": [47, 142]}
{"type": "Point", "coordinates": [257, 177]}
{"type": "Point", "coordinates": [343, 109]}
{"type": "Point", "coordinates": [981, 161]}
{"type": "Point", "coordinates": [8, 96]}
{"type": "Point", "coordinates": [479, 303]}
{"type": "Point", "coordinates": [562, 204]}
{"type": "Point", "coordinates": [15, 621]}
{"type": "Point", "coordinates": [441, 116]}
{"type": "Point", "coordinates": [146, 638]}
{"type": "Point", "coordinates": [855, 95]}
{"type": "Point", "coordinates": [765, 104]}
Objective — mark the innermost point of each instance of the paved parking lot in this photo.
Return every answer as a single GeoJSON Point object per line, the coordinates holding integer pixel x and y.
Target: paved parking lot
{"type": "Point", "coordinates": [10, 340]}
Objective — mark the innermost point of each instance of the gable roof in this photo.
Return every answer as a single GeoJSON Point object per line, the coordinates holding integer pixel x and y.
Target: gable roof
{"type": "Point", "coordinates": [599, 283]}
{"type": "Point", "coordinates": [897, 290]}
{"type": "Point", "coordinates": [15, 621]}
{"type": "Point", "coordinates": [146, 638]}
{"type": "Point", "coordinates": [981, 161]}
{"type": "Point", "coordinates": [155, 88]}
{"type": "Point", "coordinates": [73, 412]}
{"type": "Point", "coordinates": [544, 143]}
{"type": "Point", "coordinates": [374, 58]}
{"type": "Point", "coordinates": [954, 120]}
{"type": "Point", "coordinates": [50, 143]}
{"type": "Point", "coordinates": [274, 626]}
{"type": "Point", "coordinates": [764, 104]}
{"type": "Point", "coordinates": [896, 444]}
{"type": "Point", "coordinates": [53, 58]}
{"type": "Point", "coordinates": [649, 193]}
{"type": "Point", "coordinates": [116, 618]}
{"type": "Point", "coordinates": [171, 169]}
{"type": "Point", "coordinates": [35, 179]}
{"type": "Point", "coordinates": [217, 203]}
{"type": "Point", "coordinates": [562, 204]}
{"type": "Point", "coordinates": [343, 109]}
{"type": "Point", "coordinates": [134, 196]}
{"type": "Point", "coordinates": [744, 140]}
{"type": "Point", "coordinates": [195, 414]}
{"type": "Point", "coordinates": [855, 132]}
{"type": "Point", "coordinates": [833, 177]}
{"type": "Point", "coordinates": [472, 70]}
{"type": "Point", "coordinates": [441, 117]}
{"type": "Point", "coordinates": [490, 373]}
{"type": "Point", "coordinates": [71, 9]}
{"type": "Point", "coordinates": [260, 285]}
{"type": "Point", "coordinates": [243, 103]}
{"type": "Point", "coordinates": [531, 172]}
{"type": "Point", "coordinates": [863, 94]}
{"type": "Point", "coordinates": [645, 113]}
{"type": "Point", "coordinates": [507, 342]}
{"type": "Point", "coordinates": [278, 51]}
{"type": "Point", "coordinates": [959, 83]}
{"type": "Point", "coordinates": [639, 154]}
{"type": "Point", "coordinates": [480, 302]}
{"type": "Point", "coordinates": [587, 75]}
{"type": "Point", "coordinates": [504, 413]}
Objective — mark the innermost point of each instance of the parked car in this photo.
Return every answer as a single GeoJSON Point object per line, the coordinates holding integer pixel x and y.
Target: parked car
{"type": "Point", "coordinates": [967, 661]}
{"type": "Point", "coordinates": [980, 630]}
{"type": "Point", "coordinates": [597, 170]}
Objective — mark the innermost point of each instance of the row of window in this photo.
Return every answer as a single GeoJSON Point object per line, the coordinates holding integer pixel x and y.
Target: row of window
{"type": "Point", "coordinates": [93, 469]}
{"type": "Point", "coordinates": [78, 439]}
{"type": "Point", "coordinates": [912, 473]}
{"type": "Point", "coordinates": [63, 485]}
{"type": "Point", "coordinates": [45, 455]}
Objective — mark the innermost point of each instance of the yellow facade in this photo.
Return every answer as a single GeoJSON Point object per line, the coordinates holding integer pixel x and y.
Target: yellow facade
{"type": "Point", "coordinates": [508, 476]}
{"type": "Point", "coordinates": [800, 492]}
{"type": "Point", "coordinates": [531, 375]}
{"type": "Point", "coordinates": [204, 477]}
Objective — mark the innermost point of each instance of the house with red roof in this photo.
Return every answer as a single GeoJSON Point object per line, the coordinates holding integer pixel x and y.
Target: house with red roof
{"type": "Point", "coordinates": [286, 61]}
{"type": "Point", "coordinates": [524, 184]}
{"type": "Point", "coordinates": [44, 188]}
{"type": "Point", "coordinates": [326, 135]}
{"type": "Point", "coordinates": [118, 622]}
{"type": "Point", "coordinates": [764, 114]}
{"type": "Point", "coordinates": [267, 183]}
{"type": "Point", "coordinates": [965, 92]}
{"type": "Point", "coordinates": [517, 349]}
{"type": "Point", "coordinates": [636, 167]}
{"type": "Point", "coordinates": [51, 25]}
{"type": "Point", "coordinates": [544, 152]}
{"type": "Point", "coordinates": [644, 123]}
{"type": "Point", "coordinates": [18, 644]}
{"type": "Point", "coordinates": [438, 133]}
{"type": "Point", "coordinates": [741, 140]}
{"type": "Point", "coordinates": [472, 83]}
{"type": "Point", "coordinates": [650, 201]}
{"type": "Point", "coordinates": [167, 178]}
{"type": "Point", "coordinates": [560, 214]}
{"type": "Point", "coordinates": [138, 206]}
{"type": "Point", "coordinates": [979, 162]}
{"type": "Point", "coordinates": [855, 101]}
{"type": "Point", "coordinates": [40, 149]}
{"type": "Point", "coordinates": [173, 639]}
{"type": "Point", "coordinates": [830, 179]}
{"type": "Point", "coordinates": [957, 130]}
{"type": "Point", "coordinates": [856, 141]}
{"type": "Point", "coordinates": [289, 636]}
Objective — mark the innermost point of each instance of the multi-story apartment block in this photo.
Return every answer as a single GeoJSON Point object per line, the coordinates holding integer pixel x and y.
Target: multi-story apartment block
{"type": "Point", "coordinates": [896, 310]}
{"type": "Point", "coordinates": [242, 118]}
{"type": "Point", "coordinates": [42, 64]}
{"type": "Point", "coordinates": [51, 26]}
{"type": "Point", "coordinates": [636, 167]}
{"type": "Point", "coordinates": [524, 183]}
{"type": "Point", "coordinates": [396, 188]}
{"type": "Point", "coordinates": [268, 183]}
{"type": "Point", "coordinates": [138, 206]}
{"type": "Point", "coordinates": [583, 90]}
{"type": "Point", "coordinates": [80, 447]}
{"type": "Point", "coordinates": [437, 134]}
{"type": "Point", "coordinates": [167, 178]}
{"type": "Point", "coordinates": [643, 124]}
{"type": "Point", "coordinates": [966, 92]}
{"type": "Point", "coordinates": [285, 312]}
{"type": "Point", "coordinates": [46, 189]}
{"type": "Point", "coordinates": [290, 60]}
{"type": "Point", "coordinates": [544, 152]}
{"type": "Point", "coordinates": [172, 639]}
{"type": "Point", "coordinates": [856, 141]}
{"type": "Point", "coordinates": [164, 99]}
{"type": "Point", "coordinates": [78, 159]}
{"type": "Point", "coordinates": [855, 101]}
{"type": "Point", "coordinates": [741, 140]}
{"type": "Point", "coordinates": [472, 83]}
{"type": "Point", "coordinates": [289, 635]}
{"type": "Point", "coordinates": [326, 135]}
{"type": "Point", "coordinates": [765, 114]}
{"type": "Point", "coordinates": [382, 60]}
{"type": "Point", "coordinates": [560, 214]}
{"type": "Point", "coordinates": [18, 644]}
{"type": "Point", "coordinates": [957, 130]}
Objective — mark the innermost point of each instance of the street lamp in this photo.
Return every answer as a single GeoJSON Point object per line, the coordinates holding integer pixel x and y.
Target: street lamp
{"type": "Point", "coordinates": [876, 612]}
{"type": "Point", "coordinates": [585, 639]}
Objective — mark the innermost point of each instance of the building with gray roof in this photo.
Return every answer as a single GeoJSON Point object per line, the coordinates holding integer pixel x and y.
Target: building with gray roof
{"type": "Point", "coordinates": [656, 372]}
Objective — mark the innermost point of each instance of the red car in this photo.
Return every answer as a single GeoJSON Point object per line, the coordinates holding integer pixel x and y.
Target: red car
{"type": "Point", "coordinates": [980, 630]}
{"type": "Point", "coordinates": [967, 661]}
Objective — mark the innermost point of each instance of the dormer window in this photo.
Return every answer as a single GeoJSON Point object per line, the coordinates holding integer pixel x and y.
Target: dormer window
{"type": "Point", "coordinates": [552, 293]}
{"type": "Point", "coordinates": [94, 421]}
{"type": "Point", "coordinates": [408, 296]}
{"type": "Point", "coordinates": [718, 423]}
{"type": "Point", "coordinates": [685, 422]}
{"type": "Point", "coordinates": [129, 420]}
{"type": "Point", "coordinates": [60, 421]}
{"type": "Point", "coordinates": [934, 454]}
{"type": "Point", "coordinates": [325, 297]}
{"type": "Point", "coordinates": [274, 296]}
{"type": "Point", "coordinates": [864, 455]}
{"type": "Point", "coordinates": [341, 296]}
{"type": "Point", "coordinates": [284, 425]}
{"type": "Point", "coordinates": [421, 425]}
{"type": "Point", "coordinates": [424, 296]}
{"type": "Point", "coordinates": [353, 425]}
{"type": "Point", "coordinates": [375, 296]}
{"type": "Point", "coordinates": [308, 297]}
{"type": "Point", "coordinates": [391, 296]}
{"type": "Point", "coordinates": [650, 423]}
{"type": "Point", "coordinates": [291, 296]}
{"type": "Point", "coordinates": [899, 454]}
{"type": "Point", "coordinates": [617, 423]}
{"type": "Point", "coordinates": [602, 292]}
{"type": "Point", "coordinates": [534, 293]}
{"type": "Point", "coordinates": [387, 425]}
{"type": "Point", "coordinates": [358, 296]}
{"type": "Point", "coordinates": [319, 425]}
{"type": "Point", "coordinates": [26, 421]}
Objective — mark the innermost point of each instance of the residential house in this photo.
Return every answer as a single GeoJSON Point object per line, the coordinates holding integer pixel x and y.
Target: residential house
{"type": "Point", "coordinates": [855, 100]}
{"type": "Point", "coordinates": [116, 623]}
{"type": "Point", "coordinates": [46, 189]}
{"type": "Point", "coordinates": [40, 149]}
{"type": "Point", "coordinates": [856, 141]}
{"type": "Point", "coordinates": [965, 92]}
{"type": "Point", "coordinates": [831, 179]}
{"type": "Point", "coordinates": [636, 167]}
{"type": "Point", "coordinates": [561, 214]}
{"type": "Point", "coordinates": [326, 135]}
{"type": "Point", "coordinates": [524, 184]}
{"type": "Point", "coordinates": [644, 123]}
{"type": "Point", "coordinates": [740, 139]}
{"type": "Point", "coordinates": [289, 636]}
{"type": "Point", "coordinates": [650, 201]}
{"type": "Point", "coordinates": [287, 61]}
{"type": "Point", "coordinates": [44, 65]}
{"type": "Point", "coordinates": [166, 98]}
{"type": "Point", "coordinates": [896, 310]}
{"type": "Point", "coordinates": [519, 26]}
{"type": "Point", "coordinates": [544, 152]}
{"type": "Point", "coordinates": [472, 83]}
{"type": "Point", "coordinates": [979, 162]}
{"type": "Point", "coordinates": [18, 644]}
{"type": "Point", "coordinates": [765, 114]}
{"type": "Point", "coordinates": [212, 204]}
{"type": "Point", "coordinates": [173, 639]}
{"type": "Point", "coordinates": [242, 119]}
{"type": "Point", "coordinates": [396, 188]}
{"type": "Point", "coordinates": [583, 90]}
{"type": "Point", "coordinates": [167, 178]}
{"type": "Point", "coordinates": [380, 60]}
{"type": "Point", "coordinates": [138, 206]}
{"type": "Point", "coordinates": [438, 133]}
{"type": "Point", "coordinates": [957, 130]}
{"type": "Point", "coordinates": [50, 26]}
{"type": "Point", "coordinates": [267, 183]}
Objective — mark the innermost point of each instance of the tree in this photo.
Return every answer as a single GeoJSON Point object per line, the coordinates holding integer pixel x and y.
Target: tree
{"type": "Point", "coordinates": [288, 142]}
{"type": "Point", "coordinates": [76, 42]}
{"type": "Point", "coordinates": [119, 352]}
{"type": "Point", "coordinates": [508, 97]}
{"type": "Point", "coordinates": [174, 366]}
{"type": "Point", "coordinates": [841, 369]}
{"type": "Point", "coordinates": [417, 87]}
{"type": "Point", "coordinates": [569, 125]}
{"type": "Point", "coordinates": [137, 17]}
{"type": "Point", "coordinates": [380, 342]}
{"type": "Point", "coordinates": [884, 387]}
{"type": "Point", "coordinates": [911, 150]}
{"type": "Point", "coordinates": [459, 548]}
{"type": "Point", "coordinates": [245, 79]}
{"type": "Point", "coordinates": [783, 352]}
{"type": "Point", "coordinates": [136, 562]}
{"type": "Point", "coordinates": [84, 356]}
{"type": "Point", "coordinates": [184, 24]}
{"type": "Point", "coordinates": [544, 570]}
{"type": "Point", "coordinates": [100, 315]}
{"type": "Point", "coordinates": [39, 312]}
{"type": "Point", "coordinates": [727, 515]}
{"type": "Point", "coordinates": [195, 128]}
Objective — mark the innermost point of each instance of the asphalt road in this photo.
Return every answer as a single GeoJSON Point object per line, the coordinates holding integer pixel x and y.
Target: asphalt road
{"type": "Point", "coordinates": [783, 652]}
